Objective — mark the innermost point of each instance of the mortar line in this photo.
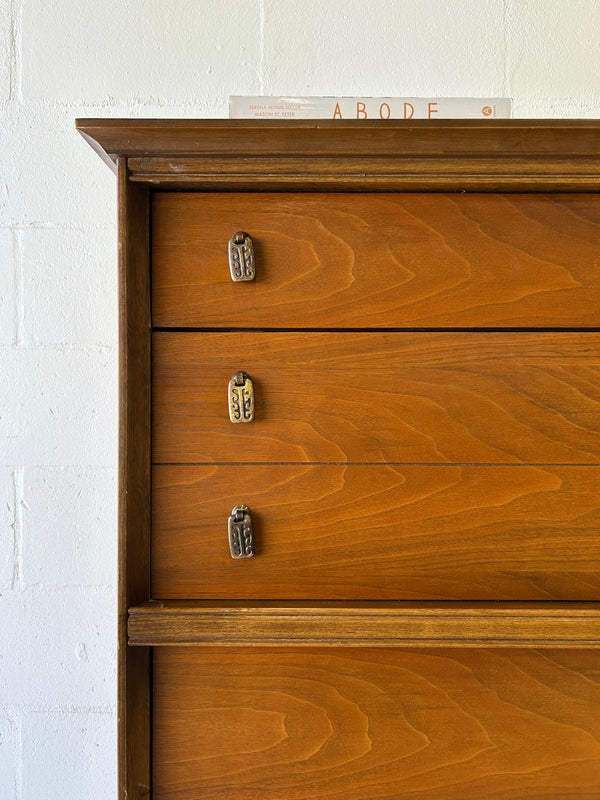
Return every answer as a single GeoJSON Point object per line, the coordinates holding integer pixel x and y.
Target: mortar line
{"type": "Point", "coordinates": [58, 710]}
{"type": "Point", "coordinates": [82, 105]}
{"type": "Point", "coordinates": [13, 525]}
{"type": "Point", "coordinates": [261, 40]}
{"type": "Point", "coordinates": [54, 226]}
{"type": "Point", "coordinates": [19, 482]}
{"type": "Point", "coordinates": [505, 76]}
{"type": "Point", "coordinates": [16, 59]}
{"type": "Point", "coordinates": [19, 767]}
{"type": "Point", "coordinates": [17, 246]}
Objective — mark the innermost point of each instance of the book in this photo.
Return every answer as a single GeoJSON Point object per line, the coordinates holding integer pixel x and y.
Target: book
{"type": "Point", "coordinates": [369, 107]}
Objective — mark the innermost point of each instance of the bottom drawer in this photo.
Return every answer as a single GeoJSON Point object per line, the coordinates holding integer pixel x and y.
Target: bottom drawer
{"type": "Point", "coordinates": [356, 724]}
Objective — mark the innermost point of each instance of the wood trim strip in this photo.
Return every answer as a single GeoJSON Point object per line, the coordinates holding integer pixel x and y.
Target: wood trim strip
{"type": "Point", "coordinates": [389, 155]}
{"type": "Point", "coordinates": [363, 138]}
{"type": "Point", "coordinates": [351, 174]}
{"type": "Point", "coordinates": [356, 166]}
{"type": "Point", "coordinates": [308, 182]}
{"type": "Point", "coordinates": [375, 624]}
{"type": "Point", "coordinates": [134, 666]}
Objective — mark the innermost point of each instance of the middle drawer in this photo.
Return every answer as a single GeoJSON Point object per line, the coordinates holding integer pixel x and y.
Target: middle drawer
{"type": "Point", "coordinates": [379, 397]}
{"type": "Point", "coordinates": [379, 532]}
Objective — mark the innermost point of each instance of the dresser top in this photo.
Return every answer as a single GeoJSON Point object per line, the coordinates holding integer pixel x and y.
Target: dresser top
{"type": "Point", "coordinates": [364, 155]}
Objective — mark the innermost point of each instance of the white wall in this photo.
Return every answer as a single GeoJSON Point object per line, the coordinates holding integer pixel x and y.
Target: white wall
{"type": "Point", "coordinates": [58, 306]}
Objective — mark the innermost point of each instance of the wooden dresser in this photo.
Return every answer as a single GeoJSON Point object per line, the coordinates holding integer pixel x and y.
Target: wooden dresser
{"type": "Point", "coordinates": [360, 451]}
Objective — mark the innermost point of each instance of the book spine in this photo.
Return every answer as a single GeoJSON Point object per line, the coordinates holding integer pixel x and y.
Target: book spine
{"type": "Point", "coordinates": [369, 108]}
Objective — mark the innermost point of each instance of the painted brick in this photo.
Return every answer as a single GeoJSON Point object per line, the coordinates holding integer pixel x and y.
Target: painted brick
{"type": "Point", "coordinates": [69, 526]}
{"type": "Point", "coordinates": [69, 756]}
{"type": "Point", "coordinates": [10, 754]}
{"type": "Point", "coordinates": [57, 402]}
{"type": "Point", "coordinates": [92, 52]}
{"type": "Point", "coordinates": [553, 51]}
{"type": "Point", "coordinates": [69, 286]}
{"type": "Point", "coordinates": [49, 176]}
{"type": "Point", "coordinates": [8, 528]}
{"type": "Point", "coordinates": [8, 329]}
{"type": "Point", "coordinates": [430, 47]}
{"type": "Point", "coordinates": [6, 50]}
{"type": "Point", "coordinates": [541, 107]}
{"type": "Point", "coordinates": [57, 648]}
{"type": "Point", "coordinates": [59, 406]}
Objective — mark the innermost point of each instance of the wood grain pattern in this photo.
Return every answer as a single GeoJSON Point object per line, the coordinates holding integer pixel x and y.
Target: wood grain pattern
{"type": "Point", "coordinates": [367, 173]}
{"type": "Point", "coordinates": [374, 624]}
{"type": "Point", "coordinates": [280, 723]}
{"type": "Point", "coordinates": [350, 138]}
{"type": "Point", "coordinates": [373, 260]}
{"type": "Point", "coordinates": [350, 155]}
{"type": "Point", "coordinates": [349, 724]}
{"type": "Point", "coordinates": [134, 687]}
{"type": "Point", "coordinates": [317, 174]}
{"type": "Point", "coordinates": [379, 532]}
{"type": "Point", "coordinates": [380, 397]}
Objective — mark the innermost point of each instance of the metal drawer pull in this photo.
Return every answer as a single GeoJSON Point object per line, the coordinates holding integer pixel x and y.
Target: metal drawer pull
{"type": "Point", "coordinates": [241, 257]}
{"type": "Point", "coordinates": [241, 398]}
{"type": "Point", "coordinates": [241, 533]}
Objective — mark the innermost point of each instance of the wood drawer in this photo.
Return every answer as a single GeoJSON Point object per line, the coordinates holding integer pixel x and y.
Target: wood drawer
{"type": "Point", "coordinates": [378, 260]}
{"type": "Point", "coordinates": [376, 724]}
{"type": "Point", "coordinates": [380, 397]}
{"type": "Point", "coordinates": [379, 532]}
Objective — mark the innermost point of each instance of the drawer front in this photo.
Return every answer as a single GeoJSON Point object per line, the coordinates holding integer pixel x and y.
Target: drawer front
{"type": "Point", "coordinates": [379, 532]}
{"type": "Point", "coordinates": [378, 260]}
{"type": "Point", "coordinates": [376, 724]}
{"type": "Point", "coordinates": [399, 397]}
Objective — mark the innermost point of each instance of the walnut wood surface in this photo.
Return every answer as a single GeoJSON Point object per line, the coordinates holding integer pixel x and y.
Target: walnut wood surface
{"type": "Point", "coordinates": [379, 532]}
{"type": "Point", "coordinates": [350, 138]}
{"type": "Point", "coordinates": [380, 397]}
{"type": "Point", "coordinates": [457, 724]}
{"type": "Point", "coordinates": [373, 260]}
{"type": "Point", "coordinates": [134, 687]}
{"type": "Point", "coordinates": [323, 173]}
{"type": "Point", "coordinates": [376, 724]}
{"type": "Point", "coordinates": [374, 624]}
{"type": "Point", "coordinates": [350, 155]}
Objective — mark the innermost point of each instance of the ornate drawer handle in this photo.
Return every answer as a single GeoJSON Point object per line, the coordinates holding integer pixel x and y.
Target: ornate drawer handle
{"type": "Point", "coordinates": [241, 257]}
{"type": "Point", "coordinates": [241, 533]}
{"type": "Point", "coordinates": [241, 398]}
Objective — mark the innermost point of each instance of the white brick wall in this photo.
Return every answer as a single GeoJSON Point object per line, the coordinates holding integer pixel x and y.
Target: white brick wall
{"type": "Point", "coordinates": [58, 302]}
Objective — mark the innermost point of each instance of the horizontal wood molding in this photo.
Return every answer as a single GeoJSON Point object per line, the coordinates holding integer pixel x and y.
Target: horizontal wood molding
{"type": "Point", "coordinates": [375, 624]}
{"type": "Point", "coordinates": [387, 155]}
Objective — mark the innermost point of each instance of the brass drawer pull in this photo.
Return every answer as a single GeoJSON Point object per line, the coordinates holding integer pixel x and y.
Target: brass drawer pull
{"type": "Point", "coordinates": [241, 398]}
{"type": "Point", "coordinates": [241, 533]}
{"type": "Point", "coordinates": [241, 257]}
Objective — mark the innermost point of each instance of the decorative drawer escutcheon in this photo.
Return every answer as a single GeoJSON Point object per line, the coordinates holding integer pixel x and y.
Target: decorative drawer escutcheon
{"type": "Point", "coordinates": [241, 533]}
{"type": "Point", "coordinates": [241, 398]}
{"type": "Point", "coordinates": [241, 257]}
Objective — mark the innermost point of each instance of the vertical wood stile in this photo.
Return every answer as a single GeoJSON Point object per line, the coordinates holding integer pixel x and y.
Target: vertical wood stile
{"type": "Point", "coordinates": [134, 688]}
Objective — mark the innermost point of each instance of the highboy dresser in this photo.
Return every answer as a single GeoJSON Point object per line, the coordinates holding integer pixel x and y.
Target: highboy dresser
{"type": "Point", "coordinates": [360, 459]}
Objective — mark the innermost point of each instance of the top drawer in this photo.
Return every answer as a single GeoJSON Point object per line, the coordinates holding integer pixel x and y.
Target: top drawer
{"type": "Point", "coordinates": [378, 260]}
